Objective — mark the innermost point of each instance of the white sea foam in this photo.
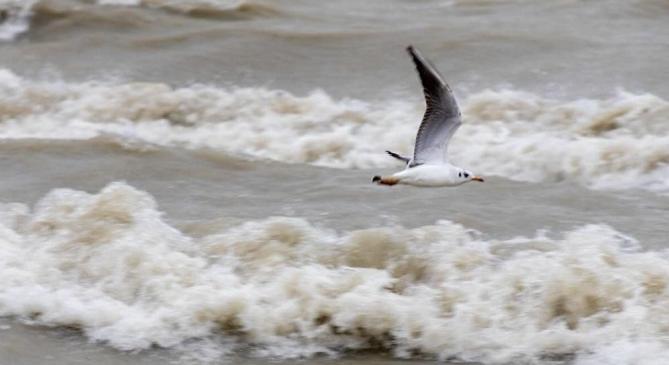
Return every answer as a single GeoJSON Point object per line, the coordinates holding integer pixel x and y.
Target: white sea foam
{"type": "Point", "coordinates": [619, 142]}
{"type": "Point", "coordinates": [211, 7]}
{"type": "Point", "coordinates": [108, 264]}
{"type": "Point", "coordinates": [14, 18]}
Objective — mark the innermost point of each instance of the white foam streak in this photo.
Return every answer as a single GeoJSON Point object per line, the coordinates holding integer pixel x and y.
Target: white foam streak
{"type": "Point", "coordinates": [184, 6]}
{"type": "Point", "coordinates": [108, 264]}
{"type": "Point", "coordinates": [614, 143]}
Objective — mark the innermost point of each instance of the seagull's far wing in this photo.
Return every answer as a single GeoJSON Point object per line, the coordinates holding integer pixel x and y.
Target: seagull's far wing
{"type": "Point", "coordinates": [442, 116]}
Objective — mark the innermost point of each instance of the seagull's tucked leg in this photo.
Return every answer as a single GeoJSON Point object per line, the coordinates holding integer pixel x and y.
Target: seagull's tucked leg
{"type": "Point", "coordinates": [385, 180]}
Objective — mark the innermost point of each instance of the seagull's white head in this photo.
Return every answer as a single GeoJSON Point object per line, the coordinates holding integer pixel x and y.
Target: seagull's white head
{"type": "Point", "coordinates": [467, 176]}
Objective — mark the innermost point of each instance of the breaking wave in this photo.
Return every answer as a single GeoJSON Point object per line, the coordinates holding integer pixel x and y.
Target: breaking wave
{"type": "Point", "coordinates": [614, 143]}
{"type": "Point", "coordinates": [109, 265]}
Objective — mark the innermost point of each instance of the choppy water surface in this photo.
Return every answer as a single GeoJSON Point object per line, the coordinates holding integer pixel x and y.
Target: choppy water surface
{"type": "Point", "coordinates": [188, 181]}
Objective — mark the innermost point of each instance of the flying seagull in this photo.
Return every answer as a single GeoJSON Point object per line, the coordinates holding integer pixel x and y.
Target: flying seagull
{"type": "Point", "coordinates": [429, 166]}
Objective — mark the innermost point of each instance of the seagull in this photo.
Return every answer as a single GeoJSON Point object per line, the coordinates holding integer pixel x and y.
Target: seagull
{"type": "Point", "coordinates": [429, 166]}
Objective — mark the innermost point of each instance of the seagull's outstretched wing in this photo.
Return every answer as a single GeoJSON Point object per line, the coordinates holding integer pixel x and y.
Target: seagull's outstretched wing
{"type": "Point", "coordinates": [442, 116]}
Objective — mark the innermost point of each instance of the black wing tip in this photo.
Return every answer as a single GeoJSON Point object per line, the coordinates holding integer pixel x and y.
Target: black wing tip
{"type": "Point", "coordinates": [429, 76]}
{"type": "Point", "coordinates": [412, 50]}
{"type": "Point", "coordinates": [421, 63]}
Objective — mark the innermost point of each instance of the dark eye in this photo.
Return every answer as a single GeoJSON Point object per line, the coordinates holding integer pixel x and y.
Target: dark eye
{"type": "Point", "coordinates": [466, 174]}
{"type": "Point", "coordinates": [459, 174]}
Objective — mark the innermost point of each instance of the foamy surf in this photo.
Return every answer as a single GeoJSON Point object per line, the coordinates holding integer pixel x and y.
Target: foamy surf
{"type": "Point", "coordinates": [111, 266]}
{"type": "Point", "coordinates": [615, 143]}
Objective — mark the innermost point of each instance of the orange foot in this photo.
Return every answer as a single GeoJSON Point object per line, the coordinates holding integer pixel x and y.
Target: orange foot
{"type": "Point", "coordinates": [385, 180]}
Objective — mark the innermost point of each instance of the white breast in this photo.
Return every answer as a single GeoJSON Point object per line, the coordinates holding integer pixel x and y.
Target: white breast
{"type": "Point", "coordinates": [430, 175]}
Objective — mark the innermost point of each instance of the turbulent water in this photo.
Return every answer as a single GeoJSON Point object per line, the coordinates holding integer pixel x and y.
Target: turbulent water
{"type": "Point", "coordinates": [619, 142]}
{"type": "Point", "coordinates": [188, 181]}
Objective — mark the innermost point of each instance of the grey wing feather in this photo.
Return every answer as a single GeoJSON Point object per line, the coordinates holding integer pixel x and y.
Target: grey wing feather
{"type": "Point", "coordinates": [442, 115]}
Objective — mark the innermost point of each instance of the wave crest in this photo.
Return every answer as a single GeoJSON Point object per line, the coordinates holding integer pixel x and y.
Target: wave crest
{"type": "Point", "coordinates": [240, 9]}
